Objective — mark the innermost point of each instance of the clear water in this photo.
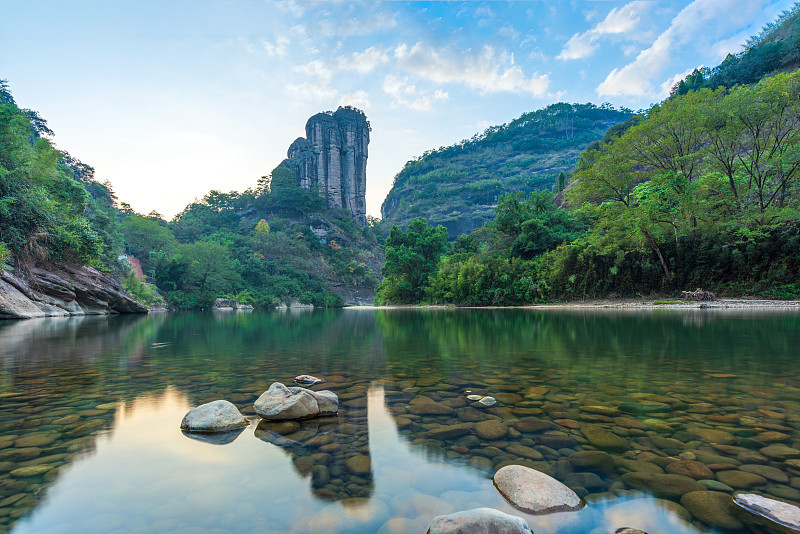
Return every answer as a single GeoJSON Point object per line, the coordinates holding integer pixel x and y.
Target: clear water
{"type": "Point", "coordinates": [90, 411]}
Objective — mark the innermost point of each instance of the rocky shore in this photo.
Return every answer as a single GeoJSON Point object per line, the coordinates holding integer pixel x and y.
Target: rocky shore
{"type": "Point", "coordinates": [67, 291]}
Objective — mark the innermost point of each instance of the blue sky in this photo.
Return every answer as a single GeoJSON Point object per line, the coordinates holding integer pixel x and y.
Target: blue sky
{"type": "Point", "coordinates": [170, 99]}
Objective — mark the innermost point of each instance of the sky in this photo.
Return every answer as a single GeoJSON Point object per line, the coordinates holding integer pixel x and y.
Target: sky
{"type": "Point", "coordinates": [171, 99]}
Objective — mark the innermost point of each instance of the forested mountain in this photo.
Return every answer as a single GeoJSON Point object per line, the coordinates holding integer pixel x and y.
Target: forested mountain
{"type": "Point", "coordinates": [775, 49]}
{"type": "Point", "coordinates": [702, 190]}
{"type": "Point", "coordinates": [458, 186]}
{"type": "Point", "coordinates": [276, 243]}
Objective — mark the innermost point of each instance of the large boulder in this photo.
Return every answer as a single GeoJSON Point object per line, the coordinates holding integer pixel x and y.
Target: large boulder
{"type": "Point", "coordinates": [280, 403]}
{"type": "Point", "coordinates": [759, 510]}
{"type": "Point", "coordinates": [479, 521]}
{"type": "Point", "coordinates": [534, 492]}
{"type": "Point", "coordinates": [217, 416]}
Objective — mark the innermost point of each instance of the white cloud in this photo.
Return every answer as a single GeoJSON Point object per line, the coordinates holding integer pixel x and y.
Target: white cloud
{"type": "Point", "coordinates": [278, 48]}
{"type": "Point", "coordinates": [579, 46]}
{"type": "Point", "coordinates": [317, 69]}
{"type": "Point", "coordinates": [363, 62]}
{"type": "Point", "coordinates": [308, 91]}
{"type": "Point", "coordinates": [359, 99]}
{"type": "Point", "coordinates": [405, 94]}
{"type": "Point", "coordinates": [488, 70]}
{"type": "Point", "coordinates": [695, 25]}
{"type": "Point", "coordinates": [620, 20]}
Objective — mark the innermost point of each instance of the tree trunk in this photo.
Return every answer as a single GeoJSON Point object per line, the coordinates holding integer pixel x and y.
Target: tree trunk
{"type": "Point", "coordinates": [654, 246]}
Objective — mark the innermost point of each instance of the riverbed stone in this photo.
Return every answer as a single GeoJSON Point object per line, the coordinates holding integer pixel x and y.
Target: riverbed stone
{"type": "Point", "coordinates": [712, 508]}
{"type": "Point", "coordinates": [525, 452]}
{"type": "Point", "coordinates": [35, 440]}
{"type": "Point", "coordinates": [532, 425]}
{"type": "Point", "coordinates": [479, 521]}
{"type": "Point", "coordinates": [667, 486]}
{"type": "Point", "coordinates": [644, 406]}
{"type": "Point", "coordinates": [759, 509]}
{"type": "Point", "coordinates": [491, 429]}
{"type": "Point", "coordinates": [287, 403]}
{"type": "Point", "coordinates": [770, 473]}
{"type": "Point", "coordinates": [689, 468]}
{"type": "Point", "coordinates": [602, 438]}
{"type": "Point", "coordinates": [593, 460]}
{"type": "Point", "coordinates": [779, 451]}
{"type": "Point", "coordinates": [711, 435]}
{"type": "Point", "coordinates": [450, 431]}
{"type": "Point", "coordinates": [740, 479]}
{"type": "Point", "coordinates": [216, 416]}
{"type": "Point", "coordinates": [359, 464]}
{"type": "Point", "coordinates": [534, 492]}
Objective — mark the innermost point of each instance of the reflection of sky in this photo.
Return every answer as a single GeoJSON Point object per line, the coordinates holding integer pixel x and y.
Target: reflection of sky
{"type": "Point", "coordinates": [146, 476]}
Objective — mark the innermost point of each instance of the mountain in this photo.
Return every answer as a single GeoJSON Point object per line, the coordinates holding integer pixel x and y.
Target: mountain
{"type": "Point", "coordinates": [458, 186]}
{"type": "Point", "coordinates": [775, 49]}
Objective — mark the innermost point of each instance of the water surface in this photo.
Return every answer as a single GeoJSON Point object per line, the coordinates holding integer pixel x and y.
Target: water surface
{"type": "Point", "coordinates": [90, 409]}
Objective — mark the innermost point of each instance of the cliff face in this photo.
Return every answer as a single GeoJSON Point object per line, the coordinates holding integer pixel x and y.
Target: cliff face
{"type": "Point", "coordinates": [333, 158]}
{"type": "Point", "coordinates": [72, 291]}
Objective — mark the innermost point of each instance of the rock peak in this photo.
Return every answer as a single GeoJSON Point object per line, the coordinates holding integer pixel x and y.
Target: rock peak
{"type": "Point", "coordinates": [333, 158]}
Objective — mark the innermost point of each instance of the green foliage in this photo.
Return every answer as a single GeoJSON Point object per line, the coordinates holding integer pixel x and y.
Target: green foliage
{"type": "Point", "coordinates": [411, 258]}
{"type": "Point", "coordinates": [775, 49]}
{"type": "Point", "coordinates": [141, 291]}
{"type": "Point", "coordinates": [51, 210]}
{"type": "Point", "coordinates": [457, 186]}
{"type": "Point", "coordinates": [5, 256]}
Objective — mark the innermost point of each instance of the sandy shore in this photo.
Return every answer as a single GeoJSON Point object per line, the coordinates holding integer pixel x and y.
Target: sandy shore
{"type": "Point", "coordinates": [644, 304]}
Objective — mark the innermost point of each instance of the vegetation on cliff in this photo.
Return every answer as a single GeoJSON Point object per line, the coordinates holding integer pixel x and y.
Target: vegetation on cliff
{"type": "Point", "coordinates": [458, 186]}
{"type": "Point", "coordinates": [275, 243]}
{"type": "Point", "coordinates": [52, 211]}
{"type": "Point", "coordinates": [264, 246]}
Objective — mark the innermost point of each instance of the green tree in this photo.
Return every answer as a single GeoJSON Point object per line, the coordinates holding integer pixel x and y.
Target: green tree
{"type": "Point", "coordinates": [411, 258]}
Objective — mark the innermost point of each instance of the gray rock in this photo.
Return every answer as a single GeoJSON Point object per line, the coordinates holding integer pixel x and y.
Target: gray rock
{"type": "Point", "coordinates": [307, 380]}
{"type": "Point", "coordinates": [327, 401]}
{"type": "Point", "coordinates": [280, 403]}
{"type": "Point", "coordinates": [487, 401]}
{"type": "Point", "coordinates": [776, 513]}
{"type": "Point", "coordinates": [479, 521]}
{"type": "Point", "coordinates": [534, 492]}
{"type": "Point", "coordinates": [217, 416]}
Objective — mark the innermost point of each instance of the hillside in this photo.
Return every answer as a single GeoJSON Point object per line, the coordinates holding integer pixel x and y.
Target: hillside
{"type": "Point", "coordinates": [775, 49]}
{"type": "Point", "coordinates": [458, 186]}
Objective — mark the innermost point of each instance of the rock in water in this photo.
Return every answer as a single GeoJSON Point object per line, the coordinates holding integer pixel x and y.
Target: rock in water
{"type": "Point", "coordinates": [479, 521]}
{"type": "Point", "coordinates": [327, 401]}
{"type": "Point", "coordinates": [307, 380]}
{"type": "Point", "coordinates": [488, 401]}
{"type": "Point", "coordinates": [534, 492]}
{"type": "Point", "coordinates": [280, 403]}
{"type": "Point", "coordinates": [777, 513]}
{"type": "Point", "coordinates": [217, 416]}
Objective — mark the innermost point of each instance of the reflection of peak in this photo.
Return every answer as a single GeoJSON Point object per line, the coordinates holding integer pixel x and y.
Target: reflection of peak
{"type": "Point", "coordinates": [333, 451]}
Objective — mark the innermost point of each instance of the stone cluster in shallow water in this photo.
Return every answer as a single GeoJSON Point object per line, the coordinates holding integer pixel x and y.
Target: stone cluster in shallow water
{"type": "Point", "coordinates": [693, 455]}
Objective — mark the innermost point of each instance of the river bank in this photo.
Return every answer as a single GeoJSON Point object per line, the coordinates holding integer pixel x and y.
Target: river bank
{"type": "Point", "coordinates": [644, 304]}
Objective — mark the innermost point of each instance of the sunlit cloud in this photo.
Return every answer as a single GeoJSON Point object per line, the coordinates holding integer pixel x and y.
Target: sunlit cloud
{"type": "Point", "coordinates": [488, 70]}
{"type": "Point", "coordinates": [622, 20]}
{"type": "Point", "coordinates": [695, 25]}
{"type": "Point", "coordinates": [277, 48]}
{"type": "Point", "coordinates": [359, 99]}
{"type": "Point", "coordinates": [406, 94]}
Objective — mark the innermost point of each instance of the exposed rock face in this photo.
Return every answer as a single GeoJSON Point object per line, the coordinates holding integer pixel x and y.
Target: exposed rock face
{"type": "Point", "coordinates": [333, 158]}
{"type": "Point", "coordinates": [71, 291]}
